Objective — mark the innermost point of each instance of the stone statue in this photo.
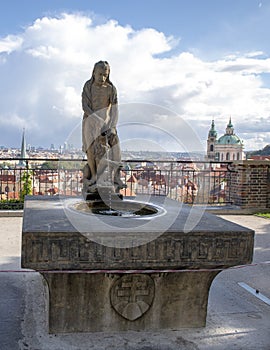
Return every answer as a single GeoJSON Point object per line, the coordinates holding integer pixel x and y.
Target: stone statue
{"type": "Point", "coordinates": [99, 134]}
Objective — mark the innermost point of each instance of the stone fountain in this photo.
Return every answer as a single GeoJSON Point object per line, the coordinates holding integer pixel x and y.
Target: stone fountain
{"type": "Point", "coordinates": [115, 265]}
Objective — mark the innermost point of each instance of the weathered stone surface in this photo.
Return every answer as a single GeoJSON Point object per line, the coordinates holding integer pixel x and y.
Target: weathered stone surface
{"type": "Point", "coordinates": [119, 300]}
{"type": "Point", "coordinates": [132, 295]}
{"type": "Point", "coordinates": [51, 242]}
{"type": "Point", "coordinates": [65, 251]}
{"type": "Point", "coordinates": [86, 302]}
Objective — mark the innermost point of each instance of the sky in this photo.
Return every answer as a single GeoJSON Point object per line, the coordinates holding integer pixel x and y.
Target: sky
{"type": "Point", "coordinates": [177, 65]}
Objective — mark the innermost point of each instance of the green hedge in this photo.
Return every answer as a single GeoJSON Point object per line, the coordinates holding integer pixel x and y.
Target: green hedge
{"type": "Point", "coordinates": [12, 204]}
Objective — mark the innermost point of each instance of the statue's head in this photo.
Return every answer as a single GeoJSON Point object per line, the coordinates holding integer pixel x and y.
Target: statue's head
{"type": "Point", "coordinates": [101, 72]}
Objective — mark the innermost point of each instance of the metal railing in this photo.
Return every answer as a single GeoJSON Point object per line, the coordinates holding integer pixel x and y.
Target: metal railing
{"type": "Point", "coordinates": [186, 181]}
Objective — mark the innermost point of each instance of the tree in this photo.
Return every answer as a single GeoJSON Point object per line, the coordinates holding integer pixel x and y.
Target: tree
{"type": "Point", "coordinates": [49, 165]}
{"type": "Point", "coordinates": [26, 187]}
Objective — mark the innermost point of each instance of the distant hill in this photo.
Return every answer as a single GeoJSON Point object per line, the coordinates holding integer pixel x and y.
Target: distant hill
{"type": "Point", "coordinates": [261, 152]}
{"type": "Point", "coordinates": [152, 155]}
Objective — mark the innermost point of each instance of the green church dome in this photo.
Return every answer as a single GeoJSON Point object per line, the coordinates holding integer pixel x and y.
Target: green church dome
{"type": "Point", "coordinates": [229, 140]}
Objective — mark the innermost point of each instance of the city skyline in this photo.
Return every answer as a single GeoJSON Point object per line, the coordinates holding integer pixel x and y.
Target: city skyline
{"type": "Point", "coordinates": [136, 146]}
{"type": "Point", "coordinates": [177, 65]}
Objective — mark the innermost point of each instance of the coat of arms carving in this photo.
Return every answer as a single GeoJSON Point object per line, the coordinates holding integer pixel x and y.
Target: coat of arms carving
{"type": "Point", "coordinates": [132, 295]}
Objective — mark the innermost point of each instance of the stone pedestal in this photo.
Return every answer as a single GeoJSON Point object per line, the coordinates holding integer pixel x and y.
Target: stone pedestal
{"type": "Point", "coordinates": [120, 302]}
{"type": "Point", "coordinates": [116, 274]}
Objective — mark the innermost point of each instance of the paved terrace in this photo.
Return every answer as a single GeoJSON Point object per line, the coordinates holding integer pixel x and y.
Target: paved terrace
{"type": "Point", "coordinates": [236, 320]}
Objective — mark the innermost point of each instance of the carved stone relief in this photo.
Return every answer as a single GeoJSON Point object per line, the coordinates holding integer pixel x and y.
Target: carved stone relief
{"type": "Point", "coordinates": [132, 295]}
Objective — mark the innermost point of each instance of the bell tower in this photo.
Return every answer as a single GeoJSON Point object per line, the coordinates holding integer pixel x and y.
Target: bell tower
{"type": "Point", "coordinates": [211, 141]}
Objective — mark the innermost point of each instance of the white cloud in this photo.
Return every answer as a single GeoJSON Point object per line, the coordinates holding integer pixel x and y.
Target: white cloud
{"type": "Point", "coordinates": [255, 54]}
{"type": "Point", "coordinates": [44, 68]}
{"type": "Point", "coordinates": [10, 43]}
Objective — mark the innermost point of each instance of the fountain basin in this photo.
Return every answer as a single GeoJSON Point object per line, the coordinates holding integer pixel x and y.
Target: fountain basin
{"type": "Point", "coordinates": [122, 208]}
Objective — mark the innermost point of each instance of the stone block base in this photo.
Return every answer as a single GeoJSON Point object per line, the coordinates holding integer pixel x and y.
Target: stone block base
{"type": "Point", "coordinates": [64, 245]}
{"type": "Point", "coordinates": [82, 302]}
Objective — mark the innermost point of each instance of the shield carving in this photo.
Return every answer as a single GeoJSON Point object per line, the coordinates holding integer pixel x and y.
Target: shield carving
{"type": "Point", "coordinates": [132, 295]}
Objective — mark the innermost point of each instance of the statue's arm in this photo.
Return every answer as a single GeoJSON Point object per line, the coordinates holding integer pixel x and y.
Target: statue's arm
{"type": "Point", "coordinates": [86, 102]}
{"type": "Point", "coordinates": [114, 109]}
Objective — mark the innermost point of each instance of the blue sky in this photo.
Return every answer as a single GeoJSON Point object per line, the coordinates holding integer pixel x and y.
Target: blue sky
{"type": "Point", "coordinates": [208, 25]}
{"type": "Point", "coordinates": [202, 60]}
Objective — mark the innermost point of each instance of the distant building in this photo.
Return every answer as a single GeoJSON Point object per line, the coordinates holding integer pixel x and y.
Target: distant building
{"type": "Point", "coordinates": [259, 157]}
{"type": "Point", "coordinates": [228, 147]}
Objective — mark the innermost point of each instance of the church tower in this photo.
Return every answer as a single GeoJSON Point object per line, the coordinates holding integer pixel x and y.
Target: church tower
{"type": "Point", "coordinates": [23, 154]}
{"type": "Point", "coordinates": [211, 141]}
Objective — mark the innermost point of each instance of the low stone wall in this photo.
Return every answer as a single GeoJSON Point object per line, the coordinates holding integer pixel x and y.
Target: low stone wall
{"type": "Point", "coordinates": [250, 184]}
